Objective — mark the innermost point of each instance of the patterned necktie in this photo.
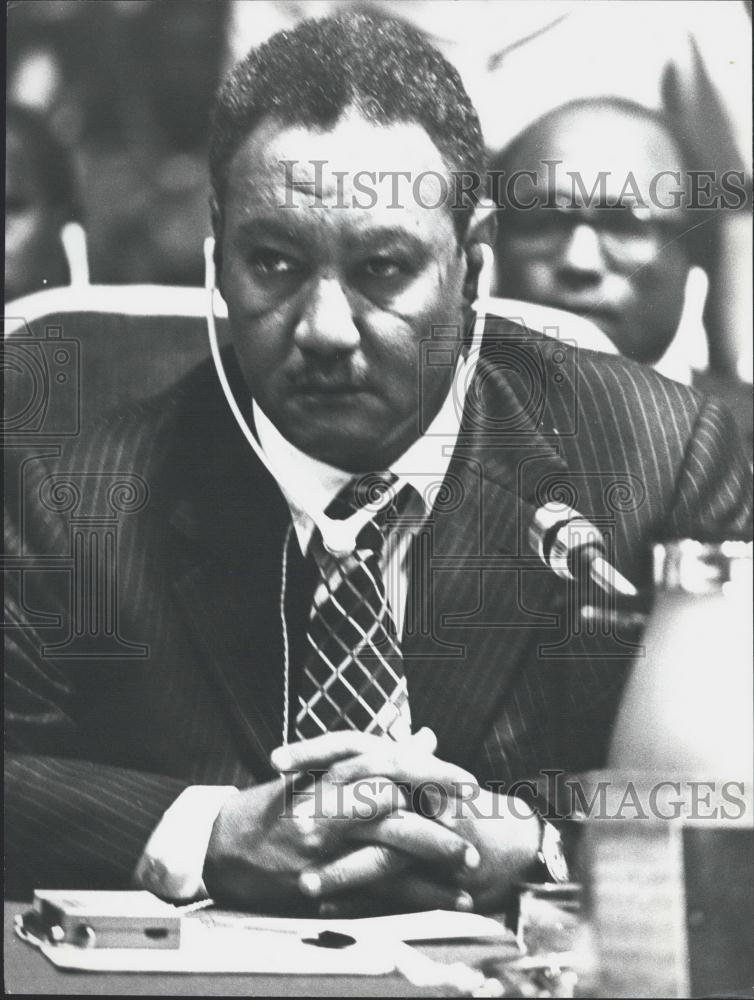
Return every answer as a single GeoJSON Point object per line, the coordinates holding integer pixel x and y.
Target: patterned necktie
{"type": "Point", "coordinates": [352, 674]}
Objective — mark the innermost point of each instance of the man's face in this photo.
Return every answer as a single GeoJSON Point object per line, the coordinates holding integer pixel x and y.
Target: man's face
{"type": "Point", "coordinates": [625, 269]}
{"type": "Point", "coordinates": [329, 304]}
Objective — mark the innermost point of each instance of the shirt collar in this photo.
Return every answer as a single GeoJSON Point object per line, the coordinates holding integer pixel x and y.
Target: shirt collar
{"type": "Point", "coordinates": [423, 465]}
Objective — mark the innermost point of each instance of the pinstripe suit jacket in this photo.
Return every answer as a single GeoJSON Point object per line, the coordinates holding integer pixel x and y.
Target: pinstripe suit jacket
{"type": "Point", "coordinates": [166, 668]}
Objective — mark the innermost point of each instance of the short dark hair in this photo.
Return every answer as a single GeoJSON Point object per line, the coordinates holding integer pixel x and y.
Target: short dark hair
{"type": "Point", "coordinates": [312, 73]}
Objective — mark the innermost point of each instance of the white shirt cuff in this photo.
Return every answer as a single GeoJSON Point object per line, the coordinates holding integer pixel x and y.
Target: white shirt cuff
{"type": "Point", "coordinates": [172, 862]}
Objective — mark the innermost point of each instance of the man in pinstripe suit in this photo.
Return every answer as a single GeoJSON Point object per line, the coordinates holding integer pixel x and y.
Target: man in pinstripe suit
{"type": "Point", "coordinates": [153, 754]}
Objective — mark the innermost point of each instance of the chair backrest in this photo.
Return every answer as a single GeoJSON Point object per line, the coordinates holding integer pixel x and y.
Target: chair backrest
{"type": "Point", "coordinates": [72, 354]}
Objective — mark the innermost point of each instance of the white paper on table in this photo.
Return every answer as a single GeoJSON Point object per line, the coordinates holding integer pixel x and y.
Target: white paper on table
{"type": "Point", "coordinates": [223, 941]}
{"type": "Point", "coordinates": [428, 925]}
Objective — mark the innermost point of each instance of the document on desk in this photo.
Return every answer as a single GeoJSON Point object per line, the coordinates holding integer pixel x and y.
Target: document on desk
{"type": "Point", "coordinates": [224, 941]}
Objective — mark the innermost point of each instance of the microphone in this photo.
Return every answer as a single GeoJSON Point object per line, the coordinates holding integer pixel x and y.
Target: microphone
{"type": "Point", "coordinates": [571, 546]}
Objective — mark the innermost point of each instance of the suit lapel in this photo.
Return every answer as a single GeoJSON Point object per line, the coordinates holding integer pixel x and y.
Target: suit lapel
{"type": "Point", "coordinates": [228, 526]}
{"type": "Point", "coordinates": [231, 632]}
{"type": "Point", "coordinates": [475, 590]}
{"type": "Point", "coordinates": [478, 590]}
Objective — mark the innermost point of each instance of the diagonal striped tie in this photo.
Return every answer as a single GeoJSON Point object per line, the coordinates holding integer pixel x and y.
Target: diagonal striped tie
{"type": "Point", "coordinates": [352, 674]}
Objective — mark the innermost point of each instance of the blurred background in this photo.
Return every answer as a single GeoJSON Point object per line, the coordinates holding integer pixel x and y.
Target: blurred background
{"type": "Point", "coordinates": [124, 89]}
{"type": "Point", "coordinates": [126, 86]}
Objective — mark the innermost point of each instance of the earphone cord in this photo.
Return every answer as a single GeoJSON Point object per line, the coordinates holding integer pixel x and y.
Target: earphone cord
{"type": "Point", "coordinates": [284, 631]}
{"type": "Point", "coordinates": [483, 291]}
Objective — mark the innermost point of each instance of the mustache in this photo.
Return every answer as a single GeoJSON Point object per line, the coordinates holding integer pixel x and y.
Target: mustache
{"type": "Point", "coordinates": [339, 378]}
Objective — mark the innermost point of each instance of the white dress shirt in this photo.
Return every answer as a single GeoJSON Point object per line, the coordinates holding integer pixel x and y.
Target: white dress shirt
{"type": "Point", "coordinates": [173, 860]}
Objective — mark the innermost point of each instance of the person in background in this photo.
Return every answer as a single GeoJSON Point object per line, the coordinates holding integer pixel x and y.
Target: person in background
{"type": "Point", "coordinates": [608, 232]}
{"type": "Point", "coordinates": [40, 198]}
{"type": "Point", "coordinates": [576, 234]}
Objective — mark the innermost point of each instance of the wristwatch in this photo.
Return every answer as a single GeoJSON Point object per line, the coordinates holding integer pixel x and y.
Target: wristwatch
{"type": "Point", "coordinates": [551, 861]}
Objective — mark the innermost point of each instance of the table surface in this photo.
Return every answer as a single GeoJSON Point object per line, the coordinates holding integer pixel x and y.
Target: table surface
{"type": "Point", "coordinates": [27, 971]}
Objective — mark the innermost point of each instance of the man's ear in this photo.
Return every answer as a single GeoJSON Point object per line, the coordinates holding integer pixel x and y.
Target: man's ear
{"type": "Point", "coordinates": [217, 230]}
{"type": "Point", "coordinates": [482, 229]}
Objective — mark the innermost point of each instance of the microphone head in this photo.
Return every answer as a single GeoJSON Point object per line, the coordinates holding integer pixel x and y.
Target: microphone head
{"type": "Point", "coordinates": [545, 524]}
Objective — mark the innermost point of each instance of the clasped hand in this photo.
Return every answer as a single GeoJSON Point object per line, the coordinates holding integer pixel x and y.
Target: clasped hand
{"type": "Point", "coordinates": [385, 826]}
